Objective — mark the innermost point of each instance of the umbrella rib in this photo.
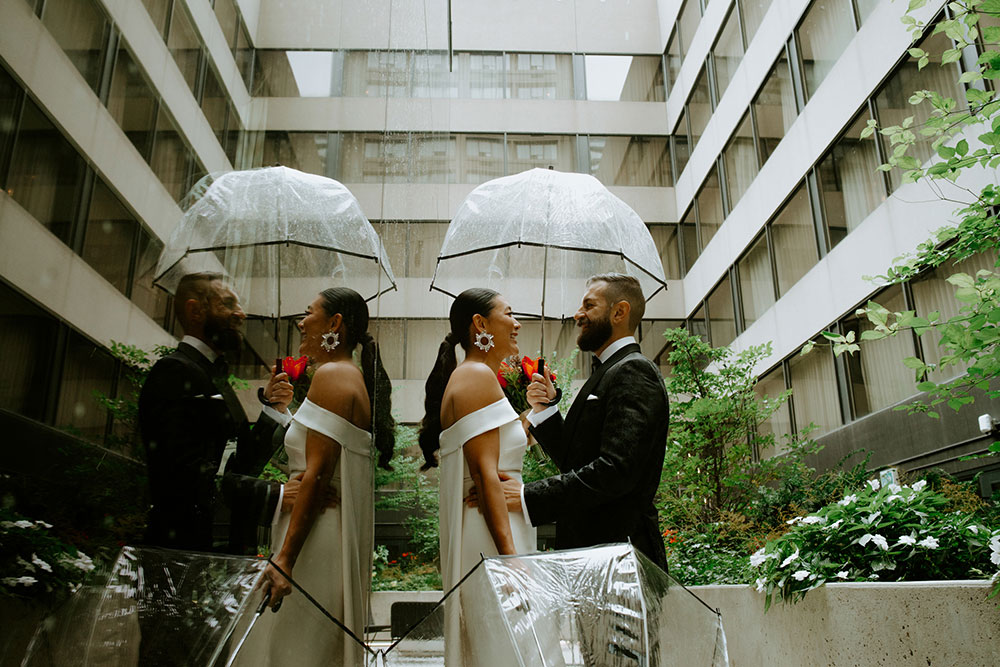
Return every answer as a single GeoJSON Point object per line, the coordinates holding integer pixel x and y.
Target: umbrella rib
{"type": "Point", "coordinates": [270, 243]}
{"type": "Point", "coordinates": [533, 244]}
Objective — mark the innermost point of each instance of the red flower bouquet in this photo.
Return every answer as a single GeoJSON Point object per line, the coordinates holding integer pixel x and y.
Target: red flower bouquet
{"type": "Point", "coordinates": [515, 376]}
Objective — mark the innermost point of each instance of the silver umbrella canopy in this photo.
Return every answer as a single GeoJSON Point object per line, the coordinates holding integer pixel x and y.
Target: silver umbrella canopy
{"type": "Point", "coordinates": [538, 235]}
{"type": "Point", "coordinates": [279, 236]}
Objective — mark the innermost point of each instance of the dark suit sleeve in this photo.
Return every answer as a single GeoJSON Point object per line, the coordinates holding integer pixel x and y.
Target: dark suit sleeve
{"type": "Point", "coordinates": [549, 435]}
{"type": "Point", "coordinates": [256, 499]}
{"type": "Point", "coordinates": [634, 400]}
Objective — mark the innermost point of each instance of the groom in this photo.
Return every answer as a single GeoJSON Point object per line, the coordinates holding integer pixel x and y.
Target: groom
{"type": "Point", "coordinates": [610, 446]}
{"type": "Point", "coordinates": [195, 430]}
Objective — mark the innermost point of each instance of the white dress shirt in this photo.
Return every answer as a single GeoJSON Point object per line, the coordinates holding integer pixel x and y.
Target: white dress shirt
{"type": "Point", "coordinates": [536, 418]}
{"type": "Point", "coordinates": [282, 418]}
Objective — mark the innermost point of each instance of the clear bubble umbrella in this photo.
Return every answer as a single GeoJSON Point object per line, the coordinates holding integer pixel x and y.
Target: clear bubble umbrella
{"type": "Point", "coordinates": [279, 236]}
{"type": "Point", "coordinates": [538, 235]}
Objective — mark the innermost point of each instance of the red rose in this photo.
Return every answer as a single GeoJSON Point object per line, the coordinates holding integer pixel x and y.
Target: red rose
{"type": "Point", "coordinates": [295, 367]}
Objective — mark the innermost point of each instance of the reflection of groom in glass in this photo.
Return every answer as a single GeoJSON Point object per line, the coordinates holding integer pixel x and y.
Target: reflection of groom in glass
{"type": "Point", "coordinates": [610, 446]}
{"type": "Point", "coordinates": [190, 417]}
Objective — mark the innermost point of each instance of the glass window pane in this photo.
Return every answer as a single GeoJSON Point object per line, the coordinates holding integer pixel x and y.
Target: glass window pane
{"type": "Point", "coordinates": [774, 107]}
{"type": "Point", "coordinates": [710, 213]}
{"type": "Point", "coordinates": [740, 157]}
{"type": "Point", "coordinates": [652, 343]}
{"type": "Point", "coordinates": [422, 247]}
{"type": "Point", "coordinates": [893, 104]}
{"type": "Point", "coordinates": [674, 59]}
{"type": "Point", "coordinates": [687, 24]}
{"type": "Point", "coordinates": [244, 54]}
{"type": "Point", "coordinates": [481, 159]}
{"type": "Point", "coordinates": [305, 151]}
{"type": "Point", "coordinates": [225, 13]}
{"type": "Point", "coordinates": [697, 324]}
{"type": "Point", "coordinates": [231, 139]}
{"type": "Point", "coordinates": [850, 186]}
{"type": "Point", "coordinates": [756, 281]}
{"type": "Point", "coordinates": [624, 78]}
{"type": "Point", "coordinates": [87, 369]}
{"type": "Point", "coordinates": [930, 293]}
{"type": "Point", "coordinates": [149, 298]}
{"type": "Point", "coordinates": [530, 151]}
{"type": "Point", "coordinates": [667, 240]}
{"type": "Point", "coordinates": [431, 77]}
{"type": "Point", "coordinates": [727, 52]}
{"type": "Point", "coordinates": [432, 159]}
{"type": "Point", "coordinates": [865, 8]}
{"type": "Point", "coordinates": [10, 107]}
{"type": "Point", "coordinates": [540, 76]}
{"type": "Point", "coordinates": [815, 397]}
{"type": "Point", "coordinates": [722, 317]}
{"type": "Point", "coordinates": [213, 103]}
{"type": "Point", "coordinates": [689, 238]}
{"type": "Point", "coordinates": [680, 143]}
{"type": "Point", "coordinates": [171, 160]}
{"type": "Point", "coordinates": [699, 107]}
{"type": "Point", "coordinates": [46, 173]}
{"type": "Point", "coordinates": [184, 45]}
{"type": "Point", "coordinates": [158, 11]}
{"type": "Point", "coordinates": [109, 236]}
{"type": "Point", "coordinates": [640, 161]}
{"type": "Point", "coordinates": [753, 16]}
{"type": "Point", "coordinates": [794, 240]}
{"type": "Point", "coordinates": [878, 377]}
{"type": "Point", "coordinates": [780, 423]}
{"type": "Point", "coordinates": [825, 31]}
{"type": "Point", "coordinates": [81, 29]}
{"type": "Point", "coordinates": [486, 75]}
{"type": "Point", "coordinates": [132, 102]}
{"type": "Point", "coordinates": [27, 337]}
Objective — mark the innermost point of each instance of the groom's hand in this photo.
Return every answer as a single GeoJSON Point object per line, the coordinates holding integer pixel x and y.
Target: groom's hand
{"type": "Point", "coordinates": [279, 391]}
{"type": "Point", "coordinates": [540, 392]}
{"type": "Point", "coordinates": [291, 492]}
{"type": "Point", "coordinates": [511, 493]}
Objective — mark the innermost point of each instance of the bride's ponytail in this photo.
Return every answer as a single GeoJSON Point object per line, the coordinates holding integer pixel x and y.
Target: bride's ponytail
{"type": "Point", "coordinates": [379, 391]}
{"type": "Point", "coordinates": [475, 301]}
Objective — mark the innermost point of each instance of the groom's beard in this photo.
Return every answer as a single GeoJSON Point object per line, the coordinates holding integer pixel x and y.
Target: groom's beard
{"type": "Point", "coordinates": [594, 334]}
{"type": "Point", "coordinates": [222, 336]}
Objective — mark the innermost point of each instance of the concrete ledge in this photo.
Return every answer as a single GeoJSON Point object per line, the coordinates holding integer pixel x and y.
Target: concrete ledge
{"type": "Point", "coordinates": [923, 623]}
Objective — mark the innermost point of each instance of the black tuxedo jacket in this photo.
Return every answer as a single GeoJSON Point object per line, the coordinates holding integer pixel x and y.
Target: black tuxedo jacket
{"type": "Point", "coordinates": [186, 416]}
{"type": "Point", "coordinates": [609, 450]}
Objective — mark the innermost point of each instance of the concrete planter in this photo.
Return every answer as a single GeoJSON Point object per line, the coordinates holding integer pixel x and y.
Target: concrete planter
{"type": "Point", "coordinates": [926, 623]}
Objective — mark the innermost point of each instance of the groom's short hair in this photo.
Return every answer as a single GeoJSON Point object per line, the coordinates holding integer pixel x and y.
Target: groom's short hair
{"type": "Point", "coordinates": [195, 286]}
{"type": "Point", "coordinates": [621, 287]}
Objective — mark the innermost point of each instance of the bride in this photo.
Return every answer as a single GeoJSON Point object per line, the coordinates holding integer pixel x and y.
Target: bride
{"type": "Point", "coordinates": [328, 553]}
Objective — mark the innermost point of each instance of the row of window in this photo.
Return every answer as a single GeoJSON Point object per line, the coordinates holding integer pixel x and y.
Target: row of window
{"type": "Point", "coordinates": [466, 75]}
{"type": "Point", "coordinates": [413, 157]}
{"type": "Point", "coordinates": [837, 194]}
{"type": "Point", "coordinates": [44, 173]}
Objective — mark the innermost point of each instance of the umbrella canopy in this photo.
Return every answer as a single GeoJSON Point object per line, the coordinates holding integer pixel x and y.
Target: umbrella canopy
{"type": "Point", "coordinates": [538, 235]}
{"type": "Point", "coordinates": [279, 236]}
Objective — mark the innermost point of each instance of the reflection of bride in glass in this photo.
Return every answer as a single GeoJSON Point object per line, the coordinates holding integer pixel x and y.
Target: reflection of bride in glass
{"type": "Point", "coordinates": [481, 437]}
{"type": "Point", "coordinates": [328, 552]}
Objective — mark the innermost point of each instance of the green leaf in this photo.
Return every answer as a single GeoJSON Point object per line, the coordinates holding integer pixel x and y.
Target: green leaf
{"type": "Point", "coordinates": [962, 147]}
{"type": "Point", "coordinates": [950, 56]}
{"type": "Point", "coordinates": [829, 335]}
{"type": "Point", "coordinates": [915, 4]}
{"type": "Point", "coordinates": [968, 77]}
{"type": "Point", "coordinates": [990, 33]}
{"type": "Point", "coordinates": [946, 152]}
{"type": "Point", "coordinates": [926, 386]}
{"type": "Point", "coordinates": [807, 348]}
{"type": "Point", "coordinates": [961, 280]}
{"type": "Point", "coordinates": [873, 335]}
{"type": "Point", "coordinates": [914, 363]}
{"type": "Point", "coordinates": [933, 415]}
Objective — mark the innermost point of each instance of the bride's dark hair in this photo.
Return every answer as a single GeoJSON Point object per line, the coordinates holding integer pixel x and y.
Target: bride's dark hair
{"type": "Point", "coordinates": [354, 311]}
{"type": "Point", "coordinates": [475, 301]}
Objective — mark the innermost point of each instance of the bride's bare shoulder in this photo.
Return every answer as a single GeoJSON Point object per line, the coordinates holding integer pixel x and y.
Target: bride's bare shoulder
{"type": "Point", "coordinates": [473, 385]}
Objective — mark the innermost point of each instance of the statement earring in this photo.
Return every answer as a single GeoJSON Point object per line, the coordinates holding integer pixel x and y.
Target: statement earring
{"type": "Point", "coordinates": [484, 341]}
{"type": "Point", "coordinates": [331, 339]}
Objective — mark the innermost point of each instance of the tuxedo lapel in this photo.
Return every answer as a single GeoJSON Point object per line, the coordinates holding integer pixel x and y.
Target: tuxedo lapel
{"type": "Point", "coordinates": [588, 387]}
{"type": "Point", "coordinates": [233, 405]}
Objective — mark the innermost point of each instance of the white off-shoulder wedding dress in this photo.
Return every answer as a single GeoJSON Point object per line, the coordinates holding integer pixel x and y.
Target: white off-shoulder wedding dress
{"type": "Point", "coordinates": [335, 564]}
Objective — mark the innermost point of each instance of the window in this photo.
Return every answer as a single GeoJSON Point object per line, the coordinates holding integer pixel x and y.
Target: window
{"type": "Point", "coordinates": [849, 184]}
{"type": "Point", "coordinates": [680, 144]}
{"type": "Point", "coordinates": [482, 159]}
{"type": "Point", "coordinates": [866, 7]}
{"type": "Point", "coordinates": [740, 158]}
{"type": "Point", "coordinates": [10, 107]}
{"type": "Point", "coordinates": [213, 104]}
{"type": "Point", "coordinates": [540, 76]}
{"type": "Point", "coordinates": [27, 336]}
{"type": "Point", "coordinates": [814, 391]}
{"type": "Point", "coordinates": [893, 105]}
{"type": "Point", "coordinates": [697, 324]}
{"type": "Point", "coordinates": [424, 241]}
{"type": "Point", "coordinates": [639, 161]}
{"type": "Point", "coordinates": [132, 102]}
{"type": "Point", "coordinates": [624, 78]}
{"type": "Point", "coordinates": [794, 238]}
{"type": "Point", "coordinates": [184, 46]}
{"type": "Point", "coordinates": [244, 55]}
{"type": "Point", "coordinates": [774, 107]}
{"type": "Point", "coordinates": [699, 107]}
{"type": "Point", "coordinates": [674, 58]}
{"type": "Point", "coordinates": [226, 14]}
{"type": "Point", "coordinates": [172, 160]}
{"type": "Point", "coordinates": [667, 240]}
{"type": "Point", "coordinates": [687, 24]}
{"type": "Point", "coordinates": [824, 32]}
{"type": "Point", "coordinates": [722, 317]}
{"type": "Point", "coordinates": [756, 281]}
{"type": "Point", "coordinates": [710, 213]}
{"type": "Point", "coordinates": [485, 74]}
{"type": "Point", "coordinates": [158, 11]}
{"type": "Point", "coordinates": [753, 16]}
{"type": "Point", "coordinates": [305, 151]}
{"type": "Point", "coordinates": [689, 238]}
{"type": "Point", "coordinates": [431, 77]}
{"type": "Point", "coordinates": [528, 151]}
{"type": "Point", "coordinates": [81, 29]}
{"type": "Point", "coordinates": [727, 52]}
{"type": "Point", "coordinates": [87, 369]}
{"type": "Point", "coordinates": [109, 237]}
{"type": "Point", "coordinates": [779, 423]}
{"type": "Point", "coordinates": [878, 377]}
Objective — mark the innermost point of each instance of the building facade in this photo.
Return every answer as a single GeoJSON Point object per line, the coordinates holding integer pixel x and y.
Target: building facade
{"type": "Point", "coordinates": [732, 127]}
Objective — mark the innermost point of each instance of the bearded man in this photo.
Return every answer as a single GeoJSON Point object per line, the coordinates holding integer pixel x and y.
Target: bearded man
{"type": "Point", "coordinates": [196, 431]}
{"type": "Point", "coordinates": [609, 448]}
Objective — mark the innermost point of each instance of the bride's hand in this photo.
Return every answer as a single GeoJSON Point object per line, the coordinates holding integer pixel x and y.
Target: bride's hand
{"type": "Point", "coordinates": [275, 583]}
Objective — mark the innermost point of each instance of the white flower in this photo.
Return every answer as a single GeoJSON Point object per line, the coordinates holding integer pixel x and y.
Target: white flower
{"type": "Point", "coordinates": [23, 581]}
{"type": "Point", "coordinates": [794, 520]}
{"type": "Point", "coordinates": [23, 524]}
{"type": "Point", "coordinates": [834, 525]}
{"type": "Point", "coordinates": [879, 565]}
{"type": "Point", "coordinates": [791, 558]}
{"type": "Point", "coordinates": [25, 564]}
{"type": "Point", "coordinates": [873, 577]}
{"type": "Point", "coordinates": [875, 484]}
{"type": "Point", "coordinates": [758, 558]}
{"type": "Point", "coordinates": [974, 530]}
{"type": "Point", "coordinates": [906, 539]}
{"type": "Point", "coordinates": [43, 524]}
{"type": "Point", "coordinates": [799, 575]}
{"type": "Point", "coordinates": [853, 498]}
{"type": "Point", "coordinates": [928, 542]}
{"type": "Point", "coordinates": [895, 488]}
{"type": "Point", "coordinates": [842, 574]}
{"type": "Point", "coordinates": [759, 584]}
{"type": "Point", "coordinates": [894, 496]}
{"type": "Point", "coordinates": [40, 563]}
{"type": "Point", "coordinates": [868, 520]}
{"type": "Point", "coordinates": [877, 540]}
{"type": "Point", "coordinates": [918, 486]}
